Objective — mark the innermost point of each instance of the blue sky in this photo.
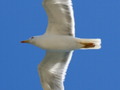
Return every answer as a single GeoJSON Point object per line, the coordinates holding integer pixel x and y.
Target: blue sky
{"type": "Point", "coordinates": [88, 70]}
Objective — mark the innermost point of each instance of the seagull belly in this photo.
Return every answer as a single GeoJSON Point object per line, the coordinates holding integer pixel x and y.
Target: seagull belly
{"type": "Point", "coordinates": [57, 43]}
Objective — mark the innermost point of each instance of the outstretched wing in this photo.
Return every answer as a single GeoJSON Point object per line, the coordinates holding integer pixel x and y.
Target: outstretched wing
{"type": "Point", "coordinates": [60, 17]}
{"type": "Point", "coordinates": [53, 68]}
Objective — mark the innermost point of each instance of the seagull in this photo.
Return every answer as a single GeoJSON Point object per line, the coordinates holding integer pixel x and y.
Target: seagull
{"type": "Point", "coordinates": [59, 41]}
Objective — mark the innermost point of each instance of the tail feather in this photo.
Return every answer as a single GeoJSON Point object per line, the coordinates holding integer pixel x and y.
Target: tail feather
{"type": "Point", "coordinates": [90, 43]}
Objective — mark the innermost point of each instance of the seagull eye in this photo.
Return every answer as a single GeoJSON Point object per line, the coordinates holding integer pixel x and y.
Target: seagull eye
{"type": "Point", "coordinates": [32, 37]}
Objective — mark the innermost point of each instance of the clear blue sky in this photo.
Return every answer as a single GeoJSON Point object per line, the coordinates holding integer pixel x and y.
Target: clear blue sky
{"type": "Point", "coordinates": [88, 70]}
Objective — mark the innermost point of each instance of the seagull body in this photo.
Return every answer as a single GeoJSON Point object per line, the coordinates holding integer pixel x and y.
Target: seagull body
{"type": "Point", "coordinates": [63, 42]}
{"type": "Point", "coordinates": [59, 41]}
{"type": "Point", "coordinates": [56, 42]}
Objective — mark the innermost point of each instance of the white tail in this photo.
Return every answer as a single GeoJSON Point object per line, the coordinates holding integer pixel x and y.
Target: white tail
{"type": "Point", "coordinates": [90, 43]}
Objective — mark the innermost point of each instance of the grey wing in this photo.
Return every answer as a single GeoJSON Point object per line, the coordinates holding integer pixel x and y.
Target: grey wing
{"type": "Point", "coordinates": [60, 17]}
{"type": "Point", "coordinates": [53, 68]}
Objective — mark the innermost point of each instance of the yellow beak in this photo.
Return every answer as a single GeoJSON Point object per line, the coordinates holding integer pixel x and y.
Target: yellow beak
{"type": "Point", "coordinates": [25, 41]}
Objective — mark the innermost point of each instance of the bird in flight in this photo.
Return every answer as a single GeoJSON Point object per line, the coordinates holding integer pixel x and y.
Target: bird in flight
{"type": "Point", "coordinates": [59, 41]}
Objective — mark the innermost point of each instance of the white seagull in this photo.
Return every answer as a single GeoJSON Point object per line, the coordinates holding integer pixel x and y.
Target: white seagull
{"type": "Point", "coordinates": [59, 41]}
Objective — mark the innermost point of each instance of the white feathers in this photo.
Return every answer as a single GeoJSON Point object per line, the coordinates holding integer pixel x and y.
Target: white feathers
{"type": "Point", "coordinates": [52, 69]}
{"type": "Point", "coordinates": [58, 41]}
{"type": "Point", "coordinates": [60, 16]}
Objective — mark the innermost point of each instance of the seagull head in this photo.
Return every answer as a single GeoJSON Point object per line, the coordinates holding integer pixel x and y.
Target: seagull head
{"type": "Point", "coordinates": [35, 40]}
